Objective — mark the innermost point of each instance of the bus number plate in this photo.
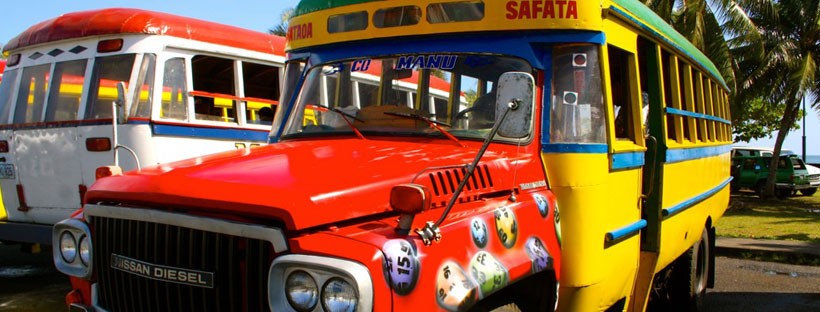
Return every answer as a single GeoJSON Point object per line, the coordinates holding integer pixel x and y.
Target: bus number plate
{"type": "Point", "coordinates": [6, 171]}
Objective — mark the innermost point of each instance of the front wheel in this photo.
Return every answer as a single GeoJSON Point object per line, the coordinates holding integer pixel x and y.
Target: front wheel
{"type": "Point", "coordinates": [808, 192]}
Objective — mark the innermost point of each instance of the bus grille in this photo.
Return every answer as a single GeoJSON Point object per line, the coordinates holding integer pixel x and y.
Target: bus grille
{"type": "Point", "coordinates": [239, 266]}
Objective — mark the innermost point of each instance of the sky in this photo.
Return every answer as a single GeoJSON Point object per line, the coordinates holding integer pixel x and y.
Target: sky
{"type": "Point", "coordinates": [261, 15]}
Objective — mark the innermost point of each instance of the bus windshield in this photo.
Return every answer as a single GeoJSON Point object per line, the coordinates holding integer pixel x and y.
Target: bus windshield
{"type": "Point", "coordinates": [401, 95]}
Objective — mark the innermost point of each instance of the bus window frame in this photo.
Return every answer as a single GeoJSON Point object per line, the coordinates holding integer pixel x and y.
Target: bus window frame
{"type": "Point", "coordinates": [620, 37]}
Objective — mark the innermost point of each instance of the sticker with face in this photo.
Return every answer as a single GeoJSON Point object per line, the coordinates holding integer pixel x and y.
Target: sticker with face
{"type": "Point", "coordinates": [454, 290]}
{"type": "Point", "coordinates": [401, 265]}
{"type": "Point", "coordinates": [488, 272]}
{"type": "Point", "coordinates": [538, 254]}
{"type": "Point", "coordinates": [506, 226]}
{"type": "Point", "coordinates": [478, 230]}
{"type": "Point", "coordinates": [543, 205]}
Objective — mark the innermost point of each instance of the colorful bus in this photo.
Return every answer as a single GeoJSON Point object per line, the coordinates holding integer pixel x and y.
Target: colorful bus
{"type": "Point", "coordinates": [370, 201]}
{"type": "Point", "coordinates": [189, 88]}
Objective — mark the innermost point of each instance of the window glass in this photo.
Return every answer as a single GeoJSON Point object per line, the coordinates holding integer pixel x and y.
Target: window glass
{"type": "Point", "coordinates": [6, 93]}
{"type": "Point", "coordinates": [174, 90]}
{"type": "Point", "coordinates": [684, 76]}
{"type": "Point", "coordinates": [66, 91]}
{"type": "Point", "coordinates": [108, 71]}
{"type": "Point", "coordinates": [32, 94]}
{"type": "Point", "coordinates": [213, 88]}
{"type": "Point", "coordinates": [381, 103]}
{"type": "Point", "coordinates": [261, 85]}
{"type": "Point", "coordinates": [397, 16]}
{"type": "Point", "coordinates": [576, 104]}
{"type": "Point", "coordinates": [347, 22]}
{"type": "Point", "coordinates": [141, 104]}
{"type": "Point", "coordinates": [462, 11]}
{"type": "Point", "coordinates": [668, 80]}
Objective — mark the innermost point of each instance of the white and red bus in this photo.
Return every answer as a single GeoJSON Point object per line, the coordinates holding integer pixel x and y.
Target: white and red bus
{"type": "Point", "coordinates": [188, 88]}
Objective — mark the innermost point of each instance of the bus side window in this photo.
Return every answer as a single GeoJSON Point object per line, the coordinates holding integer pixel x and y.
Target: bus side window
{"type": "Point", "coordinates": [6, 92]}
{"type": "Point", "coordinates": [174, 90]}
{"type": "Point", "coordinates": [107, 72]}
{"type": "Point", "coordinates": [261, 82]}
{"type": "Point", "coordinates": [619, 78]}
{"type": "Point", "coordinates": [214, 76]}
{"type": "Point", "coordinates": [141, 104]}
{"type": "Point", "coordinates": [66, 91]}
{"type": "Point", "coordinates": [32, 93]}
{"type": "Point", "coordinates": [576, 102]}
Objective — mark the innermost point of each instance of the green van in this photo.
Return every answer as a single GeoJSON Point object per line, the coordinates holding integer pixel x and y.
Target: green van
{"type": "Point", "coordinates": [751, 171]}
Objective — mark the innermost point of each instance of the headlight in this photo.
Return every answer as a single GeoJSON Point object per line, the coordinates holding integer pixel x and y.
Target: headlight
{"type": "Point", "coordinates": [85, 250]}
{"type": "Point", "coordinates": [338, 295]}
{"type": "Point", "coordinates": [71, 237]}
{"type": "Point", "coordinates": [68, 247]}
{"type": "Point", "coordinates": [301, 282]}
{"type": "Point", "coordinates": [301, 290]}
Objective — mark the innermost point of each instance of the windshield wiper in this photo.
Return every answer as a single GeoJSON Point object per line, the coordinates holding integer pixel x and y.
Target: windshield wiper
{"type": "Point", "coordinates": [345, 116]}
{"type": "Point", "coordinates": [435, 124]}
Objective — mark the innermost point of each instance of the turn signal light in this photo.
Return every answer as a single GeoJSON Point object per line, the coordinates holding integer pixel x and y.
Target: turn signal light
{"type": "Point", "coordinates": [97, 144]}
{"type": "Point", "coordinates": [110, 45]}
{"type": "Point", "coordinates": [4, 146]}
{"type": "Point", "coordinates": [107, 171]}
{"type": "Point", "coordinates": [410, 198]}
{"type": "Point", "coordinates": [14, 59]}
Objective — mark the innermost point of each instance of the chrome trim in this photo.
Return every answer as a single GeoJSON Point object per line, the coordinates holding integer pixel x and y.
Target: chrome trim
{"type": "Point", "coordinates": [272, 235]}
{"type": "Point", "coordinates": [321, 269]}
{"type": "Point", "coordinates": [78, 228]}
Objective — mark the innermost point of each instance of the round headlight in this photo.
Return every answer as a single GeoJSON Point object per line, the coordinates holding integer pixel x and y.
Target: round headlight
{"type": "Point", "coordinates": [302, 291]}
{"type": "Point", "coordinates": [85, 250]}
{"type": "Point", "coordinates": [339, 295]}
{"type": "Point", "coordinates": [68, 247]}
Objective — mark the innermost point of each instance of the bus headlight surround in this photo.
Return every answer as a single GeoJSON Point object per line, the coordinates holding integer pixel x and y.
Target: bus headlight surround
{"type": "Point", "coordinates": [74, 250]}
{"type": "Point", "coordinates": [68, 247]}
{"type": "Point", "coordinates": [301, 291]}
{"type": "Point", "coordinates": [338, 295]}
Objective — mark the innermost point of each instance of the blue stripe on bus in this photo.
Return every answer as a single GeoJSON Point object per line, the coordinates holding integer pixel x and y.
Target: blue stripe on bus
{"type": "Point", "coordinates": [575, 148]}
{"type": "Point", "coordinates": [211, 133]}
{"type": "Point", "coordinates": [627, 160]}
{"type": "Point", "coordinates": [515, 45]}
{"type": "Point", "coordinates": [671, 211]}
{"type": "Point", "coordinates": [626, 231]}
{"type": "Point", "coordinates": [682, 154]}
{"type": "Point", "coordinates": [675, 111]}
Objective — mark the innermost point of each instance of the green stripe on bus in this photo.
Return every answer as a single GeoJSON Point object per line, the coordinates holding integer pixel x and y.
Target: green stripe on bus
{"type": "Point", "coordinates": [310, 6]}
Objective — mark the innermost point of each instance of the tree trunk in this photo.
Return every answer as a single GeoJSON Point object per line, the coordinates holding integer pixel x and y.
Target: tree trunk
{"type": "Point", "coordinates": [785, 126]}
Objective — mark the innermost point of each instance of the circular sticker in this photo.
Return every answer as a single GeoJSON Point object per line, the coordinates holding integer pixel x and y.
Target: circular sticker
{"type": "Point", "coordinates": [488, 272]}
{"type": "Point", "coordinates": [478, 230]}
{"type": "Point", "coordinates": [506, 226]}
{"type": "Point", "coordinates": [401, 265]}
{"type": "Point", "coordinates": [454, 290]}
{"type": "Point", "coordinates": [543, 205]}
{"type": "Point", "coordinates": [538, 254]}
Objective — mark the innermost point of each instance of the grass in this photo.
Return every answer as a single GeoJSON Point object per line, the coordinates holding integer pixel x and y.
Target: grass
{"type": "Point", "coordinates": [795, 218]}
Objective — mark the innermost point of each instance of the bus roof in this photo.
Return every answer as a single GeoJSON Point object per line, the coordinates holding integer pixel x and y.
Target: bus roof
{"type": "Point", "coordinates": [134, 21]}
{"type": "Point", "coordinates": [309, 25]}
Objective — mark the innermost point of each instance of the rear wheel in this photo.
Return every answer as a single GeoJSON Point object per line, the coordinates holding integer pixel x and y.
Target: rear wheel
{"type": "Point", "coordinates": [690, 276]}
{"type": "Point", "coordinates": [783, 193]}
{"type": "Point", "coordinates": [808, 192]}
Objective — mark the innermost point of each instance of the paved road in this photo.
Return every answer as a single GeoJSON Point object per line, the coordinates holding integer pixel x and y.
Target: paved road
{"type": "Point", "coordinates": [29, 283]}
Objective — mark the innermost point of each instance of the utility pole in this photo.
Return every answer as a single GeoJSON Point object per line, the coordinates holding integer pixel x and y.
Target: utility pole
{"type": "Point", "coordinates": [804, 129]}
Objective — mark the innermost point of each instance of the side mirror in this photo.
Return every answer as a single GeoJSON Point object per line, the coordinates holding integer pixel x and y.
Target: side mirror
{"type": "Point", "coordinates": [122, 102]}
{"type": "Point", "coordinates": [515, 87]}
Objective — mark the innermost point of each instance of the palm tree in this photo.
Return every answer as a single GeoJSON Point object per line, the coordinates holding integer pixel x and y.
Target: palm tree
{"type": "Point", "coordinates": [785, 69]}
{"type": "Point", "coordinates": [282, 28]}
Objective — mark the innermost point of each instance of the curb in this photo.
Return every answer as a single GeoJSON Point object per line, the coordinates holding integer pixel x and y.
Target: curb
{"type": "Point", "coordinates": [791, 252]}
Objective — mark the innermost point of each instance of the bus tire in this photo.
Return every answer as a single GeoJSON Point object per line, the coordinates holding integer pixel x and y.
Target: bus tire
{"type": "Point", "coordinates": [538, 292]}
{"type": "Point", "coordinates": [808, 192]}
{"type": "Point", "coordinates": [691, 276]}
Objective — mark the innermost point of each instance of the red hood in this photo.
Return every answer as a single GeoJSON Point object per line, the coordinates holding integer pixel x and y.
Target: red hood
{"type": "Point", "coordinates": [303, 184]}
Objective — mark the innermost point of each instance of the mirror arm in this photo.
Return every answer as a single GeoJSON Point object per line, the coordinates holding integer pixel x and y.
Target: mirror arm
{"type": "Point", "coordinates": [430, 232]}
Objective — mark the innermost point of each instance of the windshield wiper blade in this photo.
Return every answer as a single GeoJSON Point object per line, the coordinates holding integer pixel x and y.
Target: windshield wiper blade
{"type": "Point", "coordinates": [435, 124]}
{"type": "Point", "coordinates": [345, 116]}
